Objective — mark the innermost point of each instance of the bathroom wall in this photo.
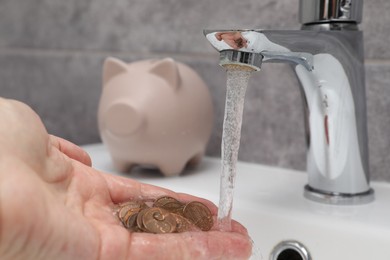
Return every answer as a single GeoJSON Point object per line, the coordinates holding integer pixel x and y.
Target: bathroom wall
{"type": "Point", "coordinates": [51, 53]}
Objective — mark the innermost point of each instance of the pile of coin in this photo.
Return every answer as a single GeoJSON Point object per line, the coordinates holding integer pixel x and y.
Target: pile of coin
{"type": "Point", "coordinates": [165, 215]}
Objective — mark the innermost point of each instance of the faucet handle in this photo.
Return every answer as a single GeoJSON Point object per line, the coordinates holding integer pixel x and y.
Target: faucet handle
{"type": "Point", "coordinates": [320, 11]}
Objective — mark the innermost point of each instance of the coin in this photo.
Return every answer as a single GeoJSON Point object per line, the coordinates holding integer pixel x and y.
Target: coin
{"type": "Point", "coordinates": [170, 204]}
{"type": "Point", "coordinates": [159, 221]}
{"type": "Point", "coordinates": [126, 210]}
{"type": "Point", "coordinates": [164, 200]}
{"type": "Point", "coordinates": [164, 215]}
{"type": "Point", "coordinates": [131, 222]}
{"type": "Point", "coordinates": [183, 224]}
{"type": "Point", "coordinates": [139, 221]}
{"type": "Point", "coordinates": [199, 214]}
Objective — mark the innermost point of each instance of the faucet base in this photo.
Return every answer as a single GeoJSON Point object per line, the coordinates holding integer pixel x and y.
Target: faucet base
{"type": "Point", "coordinates": [337, 198]}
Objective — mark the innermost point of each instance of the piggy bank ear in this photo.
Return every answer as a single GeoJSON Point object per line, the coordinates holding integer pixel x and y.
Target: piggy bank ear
{"type": "Point", "coordinates": [167, 69]}
{"type": "Point", "coordinates": [112, 67]}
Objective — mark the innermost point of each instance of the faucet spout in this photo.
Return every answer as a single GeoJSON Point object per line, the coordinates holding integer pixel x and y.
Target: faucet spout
{"type": "Point", "coordinates": [329, 65]}
{"type": "Point", "coordinates": [249, 48]}
{"type": "Point", "coordinates": [241, 58]}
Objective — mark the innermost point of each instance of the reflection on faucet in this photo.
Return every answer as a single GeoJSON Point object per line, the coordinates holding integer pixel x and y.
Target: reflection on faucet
{"type": "Point", "coordinates": [234, 39]}
{"type": "Point", "coordinates": [243, 40]}
{"type": "Point", "coordinates": [328, 60]}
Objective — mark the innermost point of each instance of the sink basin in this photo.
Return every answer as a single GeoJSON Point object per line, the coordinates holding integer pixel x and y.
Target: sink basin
{"type": "Point", "coordinates": [269, 202]}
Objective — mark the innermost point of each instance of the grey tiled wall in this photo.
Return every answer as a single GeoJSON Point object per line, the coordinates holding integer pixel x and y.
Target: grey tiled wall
{"type": "Point", "coordinates": [51, 52]}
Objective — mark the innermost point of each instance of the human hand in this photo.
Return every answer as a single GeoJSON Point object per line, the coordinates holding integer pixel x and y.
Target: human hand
{"type": "Point", "coordinates": [53, 205]}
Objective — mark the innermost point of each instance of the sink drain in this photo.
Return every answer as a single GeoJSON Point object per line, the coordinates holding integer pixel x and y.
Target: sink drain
{"type": "Point", "coordinates": [290, 250]}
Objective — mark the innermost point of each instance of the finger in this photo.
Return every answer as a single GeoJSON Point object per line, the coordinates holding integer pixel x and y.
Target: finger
{"type": "Point", "coordinates": [190, 245]}
{"type": "Point", "coordinates": [71, 150]}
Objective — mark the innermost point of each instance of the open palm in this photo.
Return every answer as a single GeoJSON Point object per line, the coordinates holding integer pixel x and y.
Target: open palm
{"type": "Point", "coordinates": [53, 205]}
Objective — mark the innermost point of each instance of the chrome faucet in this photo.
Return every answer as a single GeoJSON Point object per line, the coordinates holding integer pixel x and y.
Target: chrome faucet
{"type": "Point", "coordinates": [327, 56]}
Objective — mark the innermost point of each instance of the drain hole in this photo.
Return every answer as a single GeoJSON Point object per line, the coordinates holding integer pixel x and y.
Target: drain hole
{"type": "Point", "coordinates": [289, 254]}
{"type": "Point", "coordinates": [290, 250]}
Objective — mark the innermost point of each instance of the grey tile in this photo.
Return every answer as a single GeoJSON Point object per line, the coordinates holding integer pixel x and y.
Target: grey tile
{"type": "Point", "coordinates": [168, 26]}
{"type": "Point", "coordinates": [143, 26]}
{"type": "Point", "coordinates": [378, 111]}
{"type": "Point", "coordinates": [272, 130]}
{"type": "Point", "coordinates": [62, 89]}
{"type": "Point", "coordinates": [376, 26]}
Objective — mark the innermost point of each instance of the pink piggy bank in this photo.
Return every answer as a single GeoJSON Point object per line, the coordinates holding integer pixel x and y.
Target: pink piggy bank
{"type": "Point", "coordinates": [154, 113]}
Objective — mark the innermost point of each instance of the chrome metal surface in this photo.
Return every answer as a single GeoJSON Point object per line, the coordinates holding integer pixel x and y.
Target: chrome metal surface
{"type": "Point", "coordinates": [302, 58]}
{"type": "Point", "coordinates": [254, 60]}
{"type": "Point", "coordinates": [285, 246]}
{"type": "Point", "coordinates": [319, 11]}
{"type": "Point", "coordinates": [330, 26]}
{"type": "Point", "coordinates": [335, 198]}
{"type": "Point", "coordinates": [249, 59]}
{"type": "Point", "coordinates": [330, 67]}
{"type": "Point", "coordinates": [255, 49]}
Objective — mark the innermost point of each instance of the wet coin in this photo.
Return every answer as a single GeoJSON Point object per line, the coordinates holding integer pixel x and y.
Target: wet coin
{"type": "Point", "coordinates": [183, 224]}
{"type": "Point", "coordinates": [164, 200]}
{"type": "Point", "coordinates": [131, 222]}
{"type": "Point", "coordinates": [159, 221]}
{"type": "Point", "coordinates": [164, 215]}
{"type": "Point", "coordinates": [199, 214]}
{"type": "Point", "coordinates": [139, 221]}
{"type": "Point", "coordinates": [170, 204]}
{"type": "Point", "coordinates": [128, 209]}
{"type": "Point", "coordinates": [131, 205]}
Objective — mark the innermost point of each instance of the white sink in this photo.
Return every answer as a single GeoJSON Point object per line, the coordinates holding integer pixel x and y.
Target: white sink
{"type": "Point", "coordinates": [269, 202]}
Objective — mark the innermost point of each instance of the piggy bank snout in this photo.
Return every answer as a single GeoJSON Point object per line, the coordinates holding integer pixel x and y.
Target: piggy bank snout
{"type": "Point", "coordinates": [122, 119]}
